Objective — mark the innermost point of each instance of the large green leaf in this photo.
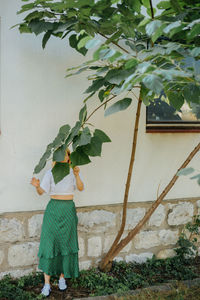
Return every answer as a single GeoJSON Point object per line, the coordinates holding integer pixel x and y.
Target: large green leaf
{"type": "Point", "coordinates": [116, 76]}
{"type": "Point", "coordinates": [59, 154]}
{"type": "Point", "coordinates": [94, 148]}
{"type": "Point", "coordinates": [84, 138]}
{"type": "Point", "coordinates": [74, 131]}
{"type": "Point", "coordinates": [39, 166]}
{"type": "Point", "coordinates": [73, 41]}
{"type": "Point", "coordinates": [153, 83]}
{"type": "Point", "coordinates": [79, 158]}
{"type": "Point", "coordinates": [96, 85]}
{"type": "Point", "coordinates": [191, 93]}
{"type": "Point", "coordinates": [39, 26]}
{"type": "Point", "coordinates": [185, 171]}
{"type": "Point", "coordinates": [176, 99]}
{"type": "Point", "coordinates": [59, 171]}
{"type": "Point", "coordinates": [102, 136]}
{"type": "Point", "coordinates": [153, 26]}
{"type": "Point", "coordinates": [118, 106]}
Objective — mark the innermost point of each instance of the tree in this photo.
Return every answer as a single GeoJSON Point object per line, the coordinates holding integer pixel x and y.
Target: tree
{"type": "Point", "coordinates": [130, 51]}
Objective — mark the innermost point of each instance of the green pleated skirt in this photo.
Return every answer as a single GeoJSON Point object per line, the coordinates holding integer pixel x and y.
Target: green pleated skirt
{"type": "Point", "coordinates": [58, 251]}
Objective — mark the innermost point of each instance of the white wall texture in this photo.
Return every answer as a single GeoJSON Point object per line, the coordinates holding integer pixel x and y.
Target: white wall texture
{"type": "Point", "coordinates": [36, 100]}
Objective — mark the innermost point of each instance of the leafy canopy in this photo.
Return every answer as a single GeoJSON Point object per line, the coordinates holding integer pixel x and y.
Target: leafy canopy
{"type": "Point", "coordinates": [135, 45]}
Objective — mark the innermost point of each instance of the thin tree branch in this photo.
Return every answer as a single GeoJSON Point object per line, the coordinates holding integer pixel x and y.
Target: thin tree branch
{"type": "Point", "coordinates": [114, 43]}
{"type": "Point", "coordinates": [112, 250]}
{"type": "Point", "coordinates": [99, 107]}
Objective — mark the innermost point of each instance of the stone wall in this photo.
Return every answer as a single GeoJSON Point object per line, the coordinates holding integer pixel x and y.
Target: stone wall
{"type": "Point", "coordinates": [20, 234]}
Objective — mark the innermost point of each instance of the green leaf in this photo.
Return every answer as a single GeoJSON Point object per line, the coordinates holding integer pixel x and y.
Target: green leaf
{"type": "Point", "coordinates": [101, 95]}
{"type": "Point", "coordinates": [92, 43]}
{"type": "Point", "coordinates": [176, 6]}
{"type": "Point", "coordinates": [144, 22]}
{"type": "Point", "coordinates": [46, 38]}
{"type": "Point", "coordinates": [195, 52]}
{"type": "Point", "coordinates": [84, 138]}
{"type": "Point", "coordinates": [83, 41]}
{"type": "Point", "coordinates": [39, 26]}
{"type": "Point", "coordinates": [83, 114]}
{"type": "Point", "coordinates": [196, 177]}
{"type": "Point", "coordinates": [74, 42]}
{"type": "Point", "coordinates": [59, 171]}
{"type": "Point", "coordinates": [164, 5]}
{"type": "Point", "coordinates": [191, 93]}
{"type": "Point", "coordinates": [195, 31]}
{"type": "Point", "coordinates": [158, 33]}
{"type": "Point", "coordinates": [79, 158]}
{"type": "Point", "coordinates": [172, 26]}
{"type": "Point", "coordinates": [23, 28]}
{"type": "Point", "coordinates": [146, 3]}
{"type": "Point", "coordinates": [96, 85]}
{"type": "Point", "coordinates": [64, 130]}
{"type": "Point", "coordinates": [115, 56]}
{"type": "Point", "coordinates": [59, 154]}
{"type": "Point", "coordinates": [26, 7]}
{"type": "Point", "coordinates": [102, 136]}
{"type": "Point", "coordinates": [131, 63]}
{"type": "Point", "coordinates": [176, 99]}
{"type": "Point", "coordinates": [185, 171]}
{"type": "Point", "coordinates": [118, 106]}
{"type": "Point", "coordinates": [39, 166]}
{"type": "Point", "coordinates": [152, 27]}
{"type": "Point", "coordinates": [153, 83]}
{"type": "Point", "coordinates": [94, 148]}
{"type": "Point", "coordinates": [116, 76]}
{"type": "Point", "coordinates": [74, 132]}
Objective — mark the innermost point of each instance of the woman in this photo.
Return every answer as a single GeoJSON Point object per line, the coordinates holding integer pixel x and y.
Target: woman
{"type": "Point", "coordinates": [58, 251]}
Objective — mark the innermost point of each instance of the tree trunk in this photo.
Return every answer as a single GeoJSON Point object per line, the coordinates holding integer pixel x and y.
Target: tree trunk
{"type": "Point", "coordinates": [130, 170]}
{"type": "Point", "coordinates": [106, 263]}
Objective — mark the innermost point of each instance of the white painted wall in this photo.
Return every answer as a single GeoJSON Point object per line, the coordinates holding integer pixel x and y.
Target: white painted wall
{"type": "Point", "coordinates": [36, 100]}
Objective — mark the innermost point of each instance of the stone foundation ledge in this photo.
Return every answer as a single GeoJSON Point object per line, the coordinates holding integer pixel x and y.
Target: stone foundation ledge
{"type": "Point", "coordinates": [97, 229]}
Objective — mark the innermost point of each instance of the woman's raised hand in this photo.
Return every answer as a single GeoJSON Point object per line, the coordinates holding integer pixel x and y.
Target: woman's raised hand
{"type": "Point", "coordinates": [76, 170]}
{"type": "Point", "coordinates": [35, 182]}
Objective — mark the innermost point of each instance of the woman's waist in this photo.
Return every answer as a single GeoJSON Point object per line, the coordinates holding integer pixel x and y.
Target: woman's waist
{"type": "Point", "coordinates": [62, 197]}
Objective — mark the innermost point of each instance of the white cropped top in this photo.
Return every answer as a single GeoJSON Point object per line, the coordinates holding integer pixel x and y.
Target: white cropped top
{"type": "Point", "coordinates": [66, 186]}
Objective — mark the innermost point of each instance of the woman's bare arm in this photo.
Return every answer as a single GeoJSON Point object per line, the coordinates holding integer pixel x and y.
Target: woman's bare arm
{"type": "Point", "coordinates": [36, 183]}
{"type": "Point", "coordinates": [79, 183]}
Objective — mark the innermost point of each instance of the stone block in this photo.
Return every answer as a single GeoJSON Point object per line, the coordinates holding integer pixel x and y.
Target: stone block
{"type": "Point", "coordinates": [166, 253]}
{"type": "Point", "coordinates": [34, 225]}
{"type": "Point", "coordinates": [108, 242]}
{"type": "Point", "coordinates": [102, 218]}
{"type": "Point", "coordinates": [118, 258]}
{"type": "Point", "coordinates": [181, 213]}
{"type": "Point", "coordinates": [11, 230]}
{"type": "Point", "coordinates": [23, 254]}
{"type": "Point", "coordinates": [158, 216]}
{"type": "Point", "coordinates": [81, 247]}
{"type": "Point", "coordinates": [85, 265]}
{"type": "Point", "coordinates": [1, 256]}
{"type": "Point", "coordinates": [134, 215]}
{"type": "Point", "coordinates": [198, 203]}
{"type": "Point", "coordinates": [168, 237]}
{"type": "Point", "coordinates": [139, 258]}
{"type": "Point", "coordinates": [94, 246]}
{"type": "Point", "coordinates": [146, 240]}
{"type": "Point", "coordinates": [17, 273]}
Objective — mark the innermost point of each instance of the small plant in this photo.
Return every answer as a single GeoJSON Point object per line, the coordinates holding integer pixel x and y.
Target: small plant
{"type": "Point", "coordinates": [188, 239]}
{"type": "Point", "coordinates": [13, 289]}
